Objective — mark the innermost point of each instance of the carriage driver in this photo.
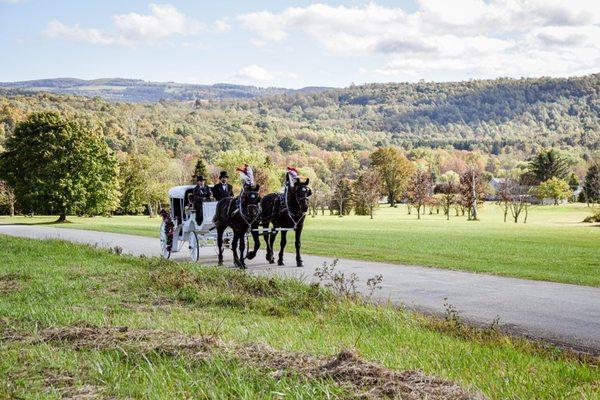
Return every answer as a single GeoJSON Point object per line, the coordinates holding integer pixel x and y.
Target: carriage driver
{"type": "Point", "coordinates": [222, 189]}
{"type": "Point", "coordinates": [201, 193]}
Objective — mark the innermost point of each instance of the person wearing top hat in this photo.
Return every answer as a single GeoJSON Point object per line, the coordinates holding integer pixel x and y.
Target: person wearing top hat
{"type": "Point", "coordinates": [222, 189]}
{"type": "Point", "coordinates": [201, 193]}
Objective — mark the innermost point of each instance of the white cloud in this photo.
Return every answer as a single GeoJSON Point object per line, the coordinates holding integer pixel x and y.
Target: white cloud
{"type": "Point", "coordinates": [256, 74]}
{"type": "Point", "coordinates": [75, 33]}
{"type": "Point", "coordinates": [221, 25]}
{"type": "Point", "coordinates": [468, 37]}
{"type": "Point", "coordinates": [163, 21]}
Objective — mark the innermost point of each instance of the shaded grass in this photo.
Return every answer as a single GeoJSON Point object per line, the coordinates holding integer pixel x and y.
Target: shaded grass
{"type": "Point", "coordinates": [69, 284]}
{"type": "Point", "coordinates": [554, 245]}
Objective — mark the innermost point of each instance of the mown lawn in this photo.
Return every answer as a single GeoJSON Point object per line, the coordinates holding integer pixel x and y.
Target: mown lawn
{"type": "Point", "coordinates": [554, 245]}
{"type": "Point", "coordinates": [56, 284]}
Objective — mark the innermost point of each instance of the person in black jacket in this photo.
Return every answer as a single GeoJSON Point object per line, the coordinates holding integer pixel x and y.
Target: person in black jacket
{"type": "Point", "coordinates": [222, 189]}
{"type": "Point", "coordinates": [201, 193]}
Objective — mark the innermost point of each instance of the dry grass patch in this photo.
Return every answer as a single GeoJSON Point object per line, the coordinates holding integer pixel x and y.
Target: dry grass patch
{"type": "Point", "coordinates": [361, 378]}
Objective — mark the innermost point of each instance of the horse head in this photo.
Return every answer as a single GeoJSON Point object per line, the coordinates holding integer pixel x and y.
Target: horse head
{"type": "Point", "coordinates": [301, 192]}
{"type": "Point", "coordinates": [250, 201]}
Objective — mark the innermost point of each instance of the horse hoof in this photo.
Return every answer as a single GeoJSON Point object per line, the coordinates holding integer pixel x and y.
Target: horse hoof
{"type": "Point", "coordinates": [220, 263]}
{"type": "Point", "coordinates": [251, 255]}
{"type": "Point", "coordinates": [280, 262]}
{"type": "Point", "coordinates": [299, 264]}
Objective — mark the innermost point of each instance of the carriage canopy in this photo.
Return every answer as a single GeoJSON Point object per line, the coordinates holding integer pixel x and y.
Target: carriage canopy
{"type": "Point", "coordinates": [178, 192]}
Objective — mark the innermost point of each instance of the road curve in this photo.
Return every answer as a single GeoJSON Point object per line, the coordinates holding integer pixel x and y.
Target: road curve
{"type": "Point", "coordinates": [561, 313]}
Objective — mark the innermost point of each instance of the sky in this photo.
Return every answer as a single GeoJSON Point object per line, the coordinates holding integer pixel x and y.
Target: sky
{"type": "Point", "coordinates": [300, 43]}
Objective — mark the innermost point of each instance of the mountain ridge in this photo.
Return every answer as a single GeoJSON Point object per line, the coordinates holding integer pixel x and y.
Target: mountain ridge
{"type": "Point", "coordinates": [139, 90]}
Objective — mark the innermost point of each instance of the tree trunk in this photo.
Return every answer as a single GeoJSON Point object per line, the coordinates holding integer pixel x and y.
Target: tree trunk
{"type": "Point", "coordinates": [62, 217]}
{"type": "Point", "coordinates": [371, 211]}
{"type": "Point", "coordinates": [150, 210]}
{"type": "Point", "coordinates": [419, 211]}
{"type": "Point", "coordinates": [12, 209]}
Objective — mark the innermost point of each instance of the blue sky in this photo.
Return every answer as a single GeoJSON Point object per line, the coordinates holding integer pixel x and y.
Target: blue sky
{"type": "Point", "coordinates": [300, 43]}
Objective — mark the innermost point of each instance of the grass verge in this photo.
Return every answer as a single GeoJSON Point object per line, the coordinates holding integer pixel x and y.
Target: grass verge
{"type": "Point", "coordinates": [57, 285]}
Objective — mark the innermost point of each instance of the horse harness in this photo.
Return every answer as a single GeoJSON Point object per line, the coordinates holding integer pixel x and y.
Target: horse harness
{"type": "Point", "coordinates": [239, 210]}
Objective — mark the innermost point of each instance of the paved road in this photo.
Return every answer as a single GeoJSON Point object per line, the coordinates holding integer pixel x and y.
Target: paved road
{"type": "Point", "coordinates": [562, 313]}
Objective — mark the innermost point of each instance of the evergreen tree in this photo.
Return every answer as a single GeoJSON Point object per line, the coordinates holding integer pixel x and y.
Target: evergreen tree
{"type": "Point", "coordinates": [200, 169]}
{"type": "Point", "coordinates": [548, 164]}
{"type": "Point", "coordinates": [591, 186]}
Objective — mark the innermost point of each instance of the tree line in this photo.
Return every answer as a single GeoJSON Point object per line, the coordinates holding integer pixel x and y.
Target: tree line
{"type": "Point", "coordinates": [61, 163]}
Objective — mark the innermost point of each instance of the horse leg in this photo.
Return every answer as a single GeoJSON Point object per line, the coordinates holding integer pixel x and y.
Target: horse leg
{"type": "Point", "coordinates": [256, 239]}
{"type": "Point", "coordinates": [220, 232]}
{"type": "Point", "coordinates": [282, 247]}
{"type": "Point", "coordinates": [234, 246]}
{"type": "Point", "coordinates": [242, 240]}
{"type": "Point", "coordinates": [272, 237]}
{"type": "Point", "coordinates": [298, 233]}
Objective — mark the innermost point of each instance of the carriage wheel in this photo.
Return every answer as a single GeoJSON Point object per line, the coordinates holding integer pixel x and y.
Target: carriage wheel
{"type": "Point", "coordinates": [194, 246]}
{"type": "Point", "coordinates": [165, 253]}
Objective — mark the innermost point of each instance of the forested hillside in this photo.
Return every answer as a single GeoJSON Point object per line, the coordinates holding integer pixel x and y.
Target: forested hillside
{"type": "Point", "coordinates": [493, 113]}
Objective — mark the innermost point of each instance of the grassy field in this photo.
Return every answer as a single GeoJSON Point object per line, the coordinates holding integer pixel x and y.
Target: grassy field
{"type": "Point", "coordinates": [61, 304]}
{"type": "Point", "coordinates": [554, 245]}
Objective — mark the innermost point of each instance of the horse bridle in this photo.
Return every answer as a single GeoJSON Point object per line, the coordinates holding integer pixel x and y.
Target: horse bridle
{"type": "Point", "coordinates": [241, 209]}
{"type": "Point", "coordinates": [290, 215]}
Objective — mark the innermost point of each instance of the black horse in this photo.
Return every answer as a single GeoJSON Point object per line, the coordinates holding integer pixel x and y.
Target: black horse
{"type": "Point", "coordinates": [285, 211]}
{"type": "Point", "coordinates": [239, 213]}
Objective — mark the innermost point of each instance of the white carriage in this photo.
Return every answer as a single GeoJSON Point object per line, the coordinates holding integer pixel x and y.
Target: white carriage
{"type": "Point", "coordinates": [185, 230]}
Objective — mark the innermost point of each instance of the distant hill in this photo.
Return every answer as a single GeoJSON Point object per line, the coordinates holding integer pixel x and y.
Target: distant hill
{"type": "Point", "coordinates": [137, 90]}
{"type": "Point", "coordinates": [500, 116]}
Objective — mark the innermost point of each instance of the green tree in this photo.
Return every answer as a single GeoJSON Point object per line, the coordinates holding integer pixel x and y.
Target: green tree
{"type": "Point", "coordinates": [394, 169]}
{"type": "Point", "coordinates": [591, 185]}
{"type": "Point", "coordinates": [548, 164]}
{"type": "Point", "coordinates": [554, 188]}
{"type": "Point", "coordinates": [200, 169]}
{"type": "Point", "coordinates": [133, 184]}
{"type": "Point", "coordinates": [60, 165]}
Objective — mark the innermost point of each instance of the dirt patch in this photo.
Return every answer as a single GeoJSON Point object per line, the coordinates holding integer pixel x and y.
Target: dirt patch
{"type": "Point", "coordinates": [363, 379]}
{"type": "Point", "coordinates": [11, 282]}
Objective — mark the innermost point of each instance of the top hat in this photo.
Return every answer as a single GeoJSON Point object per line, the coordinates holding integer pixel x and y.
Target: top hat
{"type": "Point", "coordinates": [223, 174]}
{"type": "Point", "coordinates": [199, 178]}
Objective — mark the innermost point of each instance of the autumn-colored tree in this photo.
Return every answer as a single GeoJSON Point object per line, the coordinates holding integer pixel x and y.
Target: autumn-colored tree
{"type": "Point", "coordinates": [420, 190]}
{"type": "Point", "coordinates": [394, 170]}
{"type": "Point", "coordinates": [367, 192]}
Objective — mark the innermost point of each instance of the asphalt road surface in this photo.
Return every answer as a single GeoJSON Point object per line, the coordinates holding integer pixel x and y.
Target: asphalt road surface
{"type": "Point", "coordinates": [561, 313]}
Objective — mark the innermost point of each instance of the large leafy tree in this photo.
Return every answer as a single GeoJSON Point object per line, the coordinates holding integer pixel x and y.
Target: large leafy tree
{"type": "Point", "coordinates": [59, 165]}
{"type": "Point", "coordinates": [554, 188]}
{"type": "Point", "coordinates": [394, 169]}
{"type": "Point", "coordinates": [548, 164]}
